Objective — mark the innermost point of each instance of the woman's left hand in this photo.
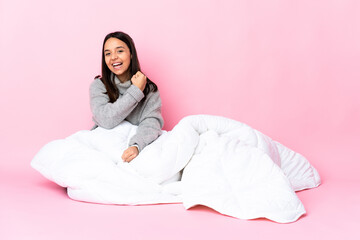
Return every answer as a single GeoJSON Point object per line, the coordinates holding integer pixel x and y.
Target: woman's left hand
{"type": "Point", "coordinates": [130, 153]}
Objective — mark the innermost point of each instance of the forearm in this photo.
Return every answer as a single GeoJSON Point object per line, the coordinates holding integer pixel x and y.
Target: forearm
{"type": "Point", "coordinates": [108, 115]}
{"type": "Point", "coordinates": [148, 131]}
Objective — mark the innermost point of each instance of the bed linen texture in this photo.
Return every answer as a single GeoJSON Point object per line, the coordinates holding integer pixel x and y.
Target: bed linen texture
{"type": "Point", "coordinates": [205, 160]}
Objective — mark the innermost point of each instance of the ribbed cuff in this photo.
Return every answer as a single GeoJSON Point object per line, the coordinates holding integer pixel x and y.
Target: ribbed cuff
{"type": "Point", "coordinates": [135, 92]}
{"type": "Point", "coordinates": [137, 141]}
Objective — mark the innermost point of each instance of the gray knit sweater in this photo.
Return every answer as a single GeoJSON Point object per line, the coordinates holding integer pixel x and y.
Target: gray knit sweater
{"type": "Point", "coordinates": [130, 106]}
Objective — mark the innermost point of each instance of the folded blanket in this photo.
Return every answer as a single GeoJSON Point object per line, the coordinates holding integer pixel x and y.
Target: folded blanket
{"type": "Point", "coordinates": [208, 160]}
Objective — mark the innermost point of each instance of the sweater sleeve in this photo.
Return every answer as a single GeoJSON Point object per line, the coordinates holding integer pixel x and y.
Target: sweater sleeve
{"type": "Point", "coordinates": [151, 122]}
{"type": "Point", "coordinates": [109, 115]}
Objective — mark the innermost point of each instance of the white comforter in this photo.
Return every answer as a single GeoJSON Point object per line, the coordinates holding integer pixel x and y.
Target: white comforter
{"type": "Point", "coordinates": [208, 160]}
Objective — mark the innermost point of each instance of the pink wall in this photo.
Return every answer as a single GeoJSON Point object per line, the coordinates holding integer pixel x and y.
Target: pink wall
{"type": "Point", "coordinates": [288, 68]}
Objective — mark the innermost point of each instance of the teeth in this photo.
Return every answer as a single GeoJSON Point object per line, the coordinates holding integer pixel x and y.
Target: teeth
{"type": "Point", "coordinates": [116, 64]}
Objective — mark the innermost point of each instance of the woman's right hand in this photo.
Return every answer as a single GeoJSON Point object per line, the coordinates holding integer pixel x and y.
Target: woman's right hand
{"type": "Point", "coordinates": [139, 80]}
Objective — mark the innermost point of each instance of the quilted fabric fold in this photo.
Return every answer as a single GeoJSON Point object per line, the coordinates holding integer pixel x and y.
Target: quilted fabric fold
{"type": "Point", "coordinates": [205, 160]}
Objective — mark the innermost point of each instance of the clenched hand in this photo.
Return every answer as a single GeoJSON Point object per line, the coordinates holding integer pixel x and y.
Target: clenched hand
{"type": "Point", "coordinates": [139, 80]}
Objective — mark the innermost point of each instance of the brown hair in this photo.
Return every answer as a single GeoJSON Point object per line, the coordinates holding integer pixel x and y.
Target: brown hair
{"type": "Point", "coordinates": [109, 79]}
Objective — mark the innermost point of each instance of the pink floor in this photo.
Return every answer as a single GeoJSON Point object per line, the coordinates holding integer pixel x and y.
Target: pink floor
{"type": "Point", "coordinates": [31, 207]}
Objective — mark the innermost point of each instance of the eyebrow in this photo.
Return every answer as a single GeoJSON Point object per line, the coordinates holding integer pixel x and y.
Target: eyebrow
{"type": "Point", "coordinates": [115, 48]}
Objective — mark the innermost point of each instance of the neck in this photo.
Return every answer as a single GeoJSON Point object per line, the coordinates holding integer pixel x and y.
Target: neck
{"type": "Point", "coordinates": [124, 77]}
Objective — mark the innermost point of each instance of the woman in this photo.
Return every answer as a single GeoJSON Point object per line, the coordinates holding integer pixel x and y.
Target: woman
{"type": "Point", "coordinates": [123, 92]}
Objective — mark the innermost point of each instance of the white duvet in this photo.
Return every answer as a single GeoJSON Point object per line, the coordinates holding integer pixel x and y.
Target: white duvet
{"type": "Point", "coordinates": [207, 160]}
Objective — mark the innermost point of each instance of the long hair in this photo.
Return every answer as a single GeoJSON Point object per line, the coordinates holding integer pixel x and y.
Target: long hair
{"type": "Point", "coordinates": [109, 79]}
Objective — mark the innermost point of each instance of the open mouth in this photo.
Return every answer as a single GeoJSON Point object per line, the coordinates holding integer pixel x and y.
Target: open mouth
{"type": "Point", "coordinates": [117, 65]}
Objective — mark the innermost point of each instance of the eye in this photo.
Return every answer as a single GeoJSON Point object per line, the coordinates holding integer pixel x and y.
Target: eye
{"type": "Point", "coordinates": [107, 54]}
{"type": "Point", "coordinates": [120, 51]}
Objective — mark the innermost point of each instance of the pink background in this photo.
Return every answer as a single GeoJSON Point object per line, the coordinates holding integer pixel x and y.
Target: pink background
{"type": "Point", "coordinates": [287, 68]}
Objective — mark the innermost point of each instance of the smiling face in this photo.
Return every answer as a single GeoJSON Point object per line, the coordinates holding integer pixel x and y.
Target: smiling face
{"type": "Point", "coordinates": [118, 58]}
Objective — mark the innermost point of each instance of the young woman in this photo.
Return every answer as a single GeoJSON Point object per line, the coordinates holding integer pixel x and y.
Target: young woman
{"type": "Point", "coordinates": [123, 92]}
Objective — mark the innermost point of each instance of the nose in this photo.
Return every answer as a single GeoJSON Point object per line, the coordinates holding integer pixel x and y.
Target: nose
{"type": "Point", "coordinates": [113, 56]}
